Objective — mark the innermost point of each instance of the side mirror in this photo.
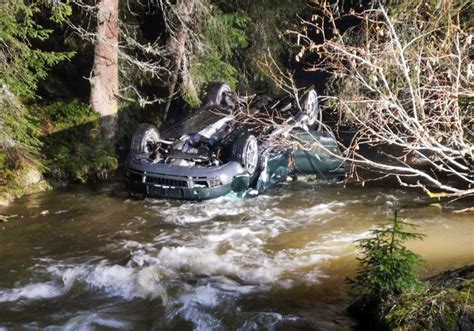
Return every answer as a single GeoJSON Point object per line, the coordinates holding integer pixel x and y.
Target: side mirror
{"type": "Point", "coordinates": [240, 183]}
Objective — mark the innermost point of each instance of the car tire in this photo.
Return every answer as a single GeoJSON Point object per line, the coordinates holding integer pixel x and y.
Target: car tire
{"type": "Point", "coordinates": [310, 106]}
{"type": "Point", "coordinates": [245, 152]}
{"type": "Point", "coordinates": [144, 136]}
{"type": "Point", "coordinates": [216, 92]}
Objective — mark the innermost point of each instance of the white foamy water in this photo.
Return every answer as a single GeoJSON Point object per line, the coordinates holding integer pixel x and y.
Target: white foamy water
{"type": "Point", "coordinates": [231, 255]}
{"type": "Point", "coordinates": [89, 321]}
{"type": "Point", "coordinates": [114, 280]}
{"type": "Point", "coordinates": [192, 212]}
{"type": "Point", "coordinates": [36, 291]}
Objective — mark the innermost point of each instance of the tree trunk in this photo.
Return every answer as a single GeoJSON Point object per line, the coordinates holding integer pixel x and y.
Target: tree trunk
{"type": "Point", "coordinates": [177, 46]}
{"type": "Point", "coordinates": [104, 80]}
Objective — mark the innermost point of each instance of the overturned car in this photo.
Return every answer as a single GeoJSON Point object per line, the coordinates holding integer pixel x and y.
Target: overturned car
{"type": "Point", "coordinates": [232, 144]}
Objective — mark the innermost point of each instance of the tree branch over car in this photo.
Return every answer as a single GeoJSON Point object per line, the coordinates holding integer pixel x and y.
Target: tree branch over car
{"type": "Point", "coordinates": [402, 79]}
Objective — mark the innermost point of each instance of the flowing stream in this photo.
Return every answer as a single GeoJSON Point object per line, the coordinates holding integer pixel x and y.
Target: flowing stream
{"type": "Point", "coordinates": [86, 259]}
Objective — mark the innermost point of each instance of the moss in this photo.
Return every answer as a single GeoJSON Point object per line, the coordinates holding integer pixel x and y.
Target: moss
{"type": "Point", "coordinates": [15, 183]}
{"type": "Point", "coordinates": [73, 147]}
{"type": "Point", "coordinates": [60, 140]}
{"type": "Point", "coordinates": [21, 163]}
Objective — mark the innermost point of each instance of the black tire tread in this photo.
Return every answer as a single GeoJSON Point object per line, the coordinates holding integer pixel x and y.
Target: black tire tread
{"type": "Point", "coordinates": [138, 136]}
{"type": "Point", "coordinates": [238, 148]}
{"type": "Point", "coordinates": [214, 93]}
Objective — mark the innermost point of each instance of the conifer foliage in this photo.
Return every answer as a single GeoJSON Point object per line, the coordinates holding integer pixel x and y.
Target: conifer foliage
{"type": "Point", "coordinates": [21, 64]}
{"type": "Point", "coordinates": [386, 266]}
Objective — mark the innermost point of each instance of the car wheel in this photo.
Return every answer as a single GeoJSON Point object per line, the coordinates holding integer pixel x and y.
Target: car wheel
{"type": "Point", "coordinates": [310, 106]}
{"type": "Point", "coordinates": [245, 152]}
{"type": "Point", "coordinates": [216, 92]}
{"type": "Point", "coordinates": [144, 138]}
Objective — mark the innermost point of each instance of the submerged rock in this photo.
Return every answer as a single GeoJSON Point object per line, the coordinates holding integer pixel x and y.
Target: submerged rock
{"type": "Point", "coordinates": [24, 181]}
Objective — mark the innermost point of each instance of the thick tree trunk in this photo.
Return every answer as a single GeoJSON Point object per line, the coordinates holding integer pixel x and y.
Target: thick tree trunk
{"type": "Point", "coordinates": [177, 46]}
{"type": "Point", "coordinates": [104, 80]}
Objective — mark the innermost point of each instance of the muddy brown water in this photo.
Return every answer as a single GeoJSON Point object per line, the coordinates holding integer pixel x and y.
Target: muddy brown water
{"type": "Point", "coordinates": [84, 259]}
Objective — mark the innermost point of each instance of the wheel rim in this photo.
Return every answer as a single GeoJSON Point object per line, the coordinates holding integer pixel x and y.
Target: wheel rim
{"type": "Point", "coordinates": [310, 106]}
{"type": "Point", "coordinates": [151, 136]}
{"type": "Point", "coordinates": [216, 94]}
{"type": "Point", "coordinates": [224, 89]}
{"type": "Point", "coordinates": [251, 156]}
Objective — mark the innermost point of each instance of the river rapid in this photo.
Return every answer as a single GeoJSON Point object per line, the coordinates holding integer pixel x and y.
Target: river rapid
{"type": "Point", "coordinates": [86, 259]}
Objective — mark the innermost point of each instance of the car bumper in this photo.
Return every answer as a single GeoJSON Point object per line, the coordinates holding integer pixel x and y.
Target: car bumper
{"type": "Point", "coordinates": [179, 182]}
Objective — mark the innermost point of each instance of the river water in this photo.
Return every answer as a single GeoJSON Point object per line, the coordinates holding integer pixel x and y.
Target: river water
{"type": "Point", "coordinates": [86, 259]}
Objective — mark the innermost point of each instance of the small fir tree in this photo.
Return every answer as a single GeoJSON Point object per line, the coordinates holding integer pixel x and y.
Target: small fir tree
{"type": "Point", "coordinates": [386, 267]}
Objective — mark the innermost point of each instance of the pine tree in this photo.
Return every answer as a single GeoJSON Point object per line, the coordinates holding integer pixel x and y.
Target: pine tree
{"type": "Point", "coordinates": [386, 267]}
{"type": "Point", "coordinates": [22, 66]}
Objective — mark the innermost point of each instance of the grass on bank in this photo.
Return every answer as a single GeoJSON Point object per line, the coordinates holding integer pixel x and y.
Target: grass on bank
{"type": "Point", "coordinates": [73, 148]}
{"type": "Point", "coordinates": [60, 142]}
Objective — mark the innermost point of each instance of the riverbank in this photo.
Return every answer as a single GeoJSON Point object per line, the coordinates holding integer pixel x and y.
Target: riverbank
{"type": "Point", "coordinates": [47, 146]}
{"type": "Point", "coordinates": [445, 303]}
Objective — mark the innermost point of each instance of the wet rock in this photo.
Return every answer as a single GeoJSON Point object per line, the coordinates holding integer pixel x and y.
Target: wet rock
{"type": "Point", "coordinates": [465, 210]}
{"type": "Point", "coordinates": [297, 324]}
{"type": "Point", "coordinates": [24, 181]}
{"type": "Point", "coordinates": [453, 278]}
{"type": "Point", "coordinates": [4, 201]}
{"type": "Point", "coordinates": [368, 315]}
{"type": "Point", "coordinates": [4, 218]}
{"type": "Point", "coordinates": [118, 190]}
